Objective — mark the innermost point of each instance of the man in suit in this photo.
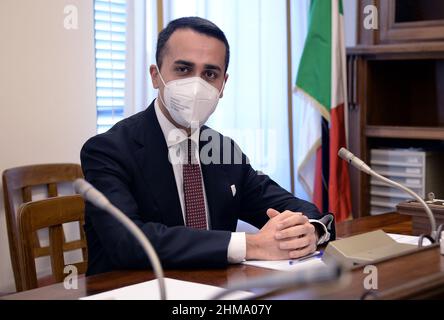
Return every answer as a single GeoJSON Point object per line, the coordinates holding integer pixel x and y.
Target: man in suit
{"type": "Point", "coordinates": [184, 184]}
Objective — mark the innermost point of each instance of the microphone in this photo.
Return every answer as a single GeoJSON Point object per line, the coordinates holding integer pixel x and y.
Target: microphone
{"type": "Point", "coordinates": [286, 279]}
{"type": "Point", "coordinates": [354, 161]}
{"type": "Point", "coordinates": [360, 165]}
{"type": "Point", "coordinates": [91, 194]}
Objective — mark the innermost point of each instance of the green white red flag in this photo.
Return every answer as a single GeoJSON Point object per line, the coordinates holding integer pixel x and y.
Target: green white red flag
{"type": "Point", "coordinates": [321, 80]}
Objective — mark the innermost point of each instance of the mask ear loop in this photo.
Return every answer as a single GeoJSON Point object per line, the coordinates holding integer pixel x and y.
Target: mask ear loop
{"type": "Point", "coordinates": [222, 89]}
{"type": "Point", "coordinates": [160, 94]}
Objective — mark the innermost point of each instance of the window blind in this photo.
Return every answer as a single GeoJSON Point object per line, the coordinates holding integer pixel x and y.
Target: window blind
{"type": "Point", "coordinates": [110, 44]}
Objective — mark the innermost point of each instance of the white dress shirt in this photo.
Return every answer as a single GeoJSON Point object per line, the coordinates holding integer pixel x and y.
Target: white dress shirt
{"type": "Point", "coordinates": [176, 140]}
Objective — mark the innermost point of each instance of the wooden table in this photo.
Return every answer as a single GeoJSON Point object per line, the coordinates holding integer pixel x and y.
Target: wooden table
{"type": "Point", "coordinates": [419, 275]}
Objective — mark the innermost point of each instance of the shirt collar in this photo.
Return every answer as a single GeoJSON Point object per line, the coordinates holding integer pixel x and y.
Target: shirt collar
{"type": "Point", "coordinates": [173, 135]}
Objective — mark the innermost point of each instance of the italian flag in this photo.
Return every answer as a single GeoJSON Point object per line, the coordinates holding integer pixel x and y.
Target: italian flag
{"type": "Point", "coordinates": [321, 80]}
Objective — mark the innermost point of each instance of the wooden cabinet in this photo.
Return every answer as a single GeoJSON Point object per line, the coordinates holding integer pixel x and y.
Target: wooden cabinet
{"type": "Point", "coordinates": [396, 100]}
{"type": "Point", "coordinates": [395, 84]}
{"type": "Point", "coordinates": [411, 20]}
{"type": "Point", "coordinates": [403, 21]}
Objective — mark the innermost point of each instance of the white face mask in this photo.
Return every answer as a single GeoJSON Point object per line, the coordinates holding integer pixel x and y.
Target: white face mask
{"type": "Point", "coordinates": [190, 101]}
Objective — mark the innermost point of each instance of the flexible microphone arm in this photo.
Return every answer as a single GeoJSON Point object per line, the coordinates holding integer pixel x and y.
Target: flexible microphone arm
{"type": "Point", "coordinates": [360, 165]}
{"type": "Point", "coordinates": [286, 279]}
{"type": "Point", "coordinates": [91, 194]}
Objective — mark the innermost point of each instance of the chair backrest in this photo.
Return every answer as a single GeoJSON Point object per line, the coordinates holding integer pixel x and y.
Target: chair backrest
{"type": "Point", "coordinates": [50, 213]}
{"type": "Point", "coordinates": [22, 179]}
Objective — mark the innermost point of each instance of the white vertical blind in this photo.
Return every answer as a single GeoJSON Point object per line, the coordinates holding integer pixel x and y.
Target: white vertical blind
{"type": "Point", "coordinates": [141, 40]}
{"type": "Point", "coordinates": [110, 43]}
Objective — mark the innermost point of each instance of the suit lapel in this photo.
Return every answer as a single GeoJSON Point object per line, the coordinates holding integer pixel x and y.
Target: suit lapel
{"type": "Point", "coordinates": [157, 170]}
{"type": "Point", "coordinates": [158, 174]}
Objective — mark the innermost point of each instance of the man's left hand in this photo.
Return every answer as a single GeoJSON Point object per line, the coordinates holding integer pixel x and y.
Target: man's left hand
{"type": "Point", "coordinates": [295, 233]}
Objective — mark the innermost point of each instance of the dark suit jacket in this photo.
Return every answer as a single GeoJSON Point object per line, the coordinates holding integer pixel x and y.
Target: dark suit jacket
{"type": "Point", "coordinates": [129, 165]}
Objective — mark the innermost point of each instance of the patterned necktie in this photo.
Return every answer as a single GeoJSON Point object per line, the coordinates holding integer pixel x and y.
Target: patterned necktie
{"type": "Point", "coordinates": [194, 196]}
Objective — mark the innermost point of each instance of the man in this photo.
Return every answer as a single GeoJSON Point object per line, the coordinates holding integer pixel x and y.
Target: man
{"type": "Point", "coordinates": [184, 184]}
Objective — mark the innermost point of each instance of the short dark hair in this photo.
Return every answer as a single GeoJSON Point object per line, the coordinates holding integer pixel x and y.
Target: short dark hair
{"type": "Point", "coordinates": [197, 24]}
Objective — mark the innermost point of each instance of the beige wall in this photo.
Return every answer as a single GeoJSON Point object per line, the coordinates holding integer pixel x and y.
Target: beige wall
{"type": "Point", "coordinates": [47, 90]}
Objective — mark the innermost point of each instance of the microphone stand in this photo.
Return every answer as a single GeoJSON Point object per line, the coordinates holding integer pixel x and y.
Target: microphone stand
{"type": "Point", "coordinates": [88, 192]}
{"type": "Point", "coordinates": [360, 165]}
{"type": "Point", "coordinates": [286, 279]}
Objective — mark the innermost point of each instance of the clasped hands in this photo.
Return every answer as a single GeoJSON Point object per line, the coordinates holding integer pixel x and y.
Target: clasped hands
{"type": "Point", "coordinates": [286, 235]}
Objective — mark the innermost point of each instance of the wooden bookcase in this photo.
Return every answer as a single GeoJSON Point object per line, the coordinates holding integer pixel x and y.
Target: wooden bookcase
{"type": "Point", "coordinates": [395, 90]}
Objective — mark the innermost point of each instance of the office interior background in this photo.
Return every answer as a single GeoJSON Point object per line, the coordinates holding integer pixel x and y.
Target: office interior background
{"type": "Point", "coordinates": [51, 101]}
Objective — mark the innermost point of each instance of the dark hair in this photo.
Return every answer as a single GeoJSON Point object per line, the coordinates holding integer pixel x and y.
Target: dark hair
{"type": "Point", "coordinates": [197, 24]}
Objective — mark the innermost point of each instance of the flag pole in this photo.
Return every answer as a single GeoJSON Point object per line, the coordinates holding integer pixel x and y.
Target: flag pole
{"type": "Point", "coordinates": [159, 16]}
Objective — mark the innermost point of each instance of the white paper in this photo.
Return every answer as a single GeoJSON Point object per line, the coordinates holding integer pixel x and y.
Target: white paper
{"type": "Point", "coordinates": [176, 290]}
{"type": "Point", "coordinates": [402, 238]}
{"type": "Point", "coordinates": [287, 265]}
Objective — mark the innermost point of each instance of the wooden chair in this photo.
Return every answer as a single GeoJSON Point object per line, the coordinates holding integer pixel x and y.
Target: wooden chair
{"type": "Point", "coordinates": [22, 180]}
{"type": "Point", "coordinates": [50, 213]}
